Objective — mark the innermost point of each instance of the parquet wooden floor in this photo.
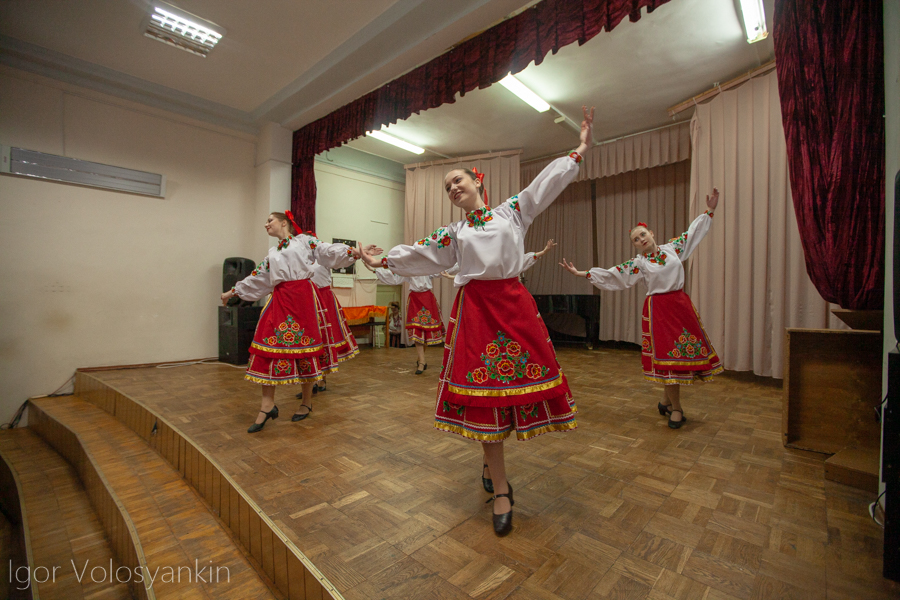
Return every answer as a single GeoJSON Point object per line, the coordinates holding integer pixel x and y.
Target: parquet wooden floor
{"type": "Point", "coordinates": [623, 507]}
{"type": "Point", "coordinates": [65, 530]}
{"type": "Point", "coordinates": [189, 552]}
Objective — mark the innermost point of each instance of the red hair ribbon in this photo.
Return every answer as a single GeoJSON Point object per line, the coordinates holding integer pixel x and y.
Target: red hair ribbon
{"type": "Point", "coordinates": [640, 224]}
{"type": "Point", "coordinates": [290, 217]}
{"type": "Point", "coordinates": [480, 177]}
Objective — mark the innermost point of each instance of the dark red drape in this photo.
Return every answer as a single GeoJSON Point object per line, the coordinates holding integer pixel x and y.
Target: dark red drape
{"type": "Point", "coordinates": [477, 63]}
{"type": "Point", "coordinates": [830, 63]}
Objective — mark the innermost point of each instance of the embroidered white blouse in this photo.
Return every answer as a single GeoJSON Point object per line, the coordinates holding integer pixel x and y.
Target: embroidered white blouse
{"type": "Point", "coordinates": [416, 284]}
{"type": "Point", "coordinates": [530, 261]}
{"type": "Point", "coordinates": [321, 275]}
{"type": "Point", "coordinates": [661, 271]}
{"type": "Point", "coordinates": [490, 242]}
{"type": "Point", "coordinates": [293, 259]}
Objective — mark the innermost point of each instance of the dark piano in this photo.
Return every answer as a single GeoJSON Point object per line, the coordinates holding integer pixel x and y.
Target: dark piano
{"type": "Point", "coordinates": [559, 312]}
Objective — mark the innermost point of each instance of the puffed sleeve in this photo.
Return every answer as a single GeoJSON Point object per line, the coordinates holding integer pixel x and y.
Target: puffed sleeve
{"type": "Point", "coordinates": [620, 277]}
{"type": "Point", "coordinates": [257, 284]}
{"type": "Point", "coordinates": [541, 192]}
{"type": "Point", "coordinates": [453, 270]}
{"type": "Point", "coordinates": [388, 278]}
{"type": "Point", "coordinates": [333, 256]}
{"type": "Point", "coordinates": [687, 242]}
{"type": "Point", "coordinates": [530, 261]}
{"type": "Point", "coordinates": [428, 256]}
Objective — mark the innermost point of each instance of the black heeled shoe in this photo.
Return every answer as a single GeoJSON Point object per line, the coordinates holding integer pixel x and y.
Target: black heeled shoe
{"type": "Point", "coordinates": [663, 409]}
{"type": "Point", "coordinates": [503, 523]}
{"type": "Point", "coordinates": [298, 417]}
{"type": "Point", "coordinates": [272, 414]}
{"type": "Point", "coordinates": [420, 371]}
{"type": "Point", "coordinates": [487, 483]}
{"type": "Point", "coordinates": [677, 424]}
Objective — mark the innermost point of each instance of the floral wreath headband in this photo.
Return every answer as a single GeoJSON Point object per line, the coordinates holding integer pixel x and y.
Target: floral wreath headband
{"type": "Point", "coordinates": [640, 224]}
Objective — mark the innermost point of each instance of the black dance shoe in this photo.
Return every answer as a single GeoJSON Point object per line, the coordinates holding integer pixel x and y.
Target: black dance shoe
{"type": "Point", "coordinates": [272, 414]}
{"type": "Point", "coordinates": [677, 424]}
{"type": "Point", "coordinates": [663, 409]}
{"type": "Point", "coordinates": [487, 483]}
{"type": "Point", "coordinates": [420, 371]}
{"type": "Point", "coordinates": [503, 523]}
{"type": "Point", "coordinates": [298, 417]}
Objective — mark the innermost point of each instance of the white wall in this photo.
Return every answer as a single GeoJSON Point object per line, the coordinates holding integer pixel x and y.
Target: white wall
{"type": "Point", "coordinates": [94, 277]}
{"type": "Point", "coordinates": [358, 206]}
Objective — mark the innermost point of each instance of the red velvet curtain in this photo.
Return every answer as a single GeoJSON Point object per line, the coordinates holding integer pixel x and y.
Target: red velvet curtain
{"type": "Point", "coordinates": [477, 63]}
{"type": "Point", "coordinates": [830, 63]}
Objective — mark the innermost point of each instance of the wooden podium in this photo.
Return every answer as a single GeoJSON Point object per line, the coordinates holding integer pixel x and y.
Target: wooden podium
{"type": "Point", "coordinates": [832, 388]}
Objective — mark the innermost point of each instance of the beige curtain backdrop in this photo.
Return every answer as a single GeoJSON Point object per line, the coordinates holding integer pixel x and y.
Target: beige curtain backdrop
{"type": "Point", "coordinates": [662, 146]}
{"type": "Point", "coordinates": [568, 221]}
{"type": "Point", "coordinates": [748, 278]}
{"type": "Point", "coordinates": [427, 205]}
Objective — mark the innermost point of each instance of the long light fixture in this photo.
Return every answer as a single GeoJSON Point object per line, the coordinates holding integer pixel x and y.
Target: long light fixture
{"type": "Point", "coordinates": [181, 29]}
{"type": "Point", "coordinates": [754, 20]}
{"type": "Point", "coordinates": [380, 135]}
{"type": "Point", "coordinates": [518, 88]}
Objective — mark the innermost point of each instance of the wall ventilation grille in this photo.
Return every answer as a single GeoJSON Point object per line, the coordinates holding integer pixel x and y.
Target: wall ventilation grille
{"type": "Point", "coordinates": [18, 161]}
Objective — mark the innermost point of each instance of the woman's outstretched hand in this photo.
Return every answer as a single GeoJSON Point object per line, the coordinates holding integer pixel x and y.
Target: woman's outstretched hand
{"type": "Point", "coordinates": [571, 269]}
{"type": "Point", "coordinates": [587, 130]}
{"type": "Point", "coordinates": [227, 296]}
{"type": "Point", "coordinates": [713, 201]}
{"type": "Point", "coordinates": [371, 249]}
{"type": "Point", "coordinates": [550, 244]}
{"type": "Point", "coordinates": [368, 253]}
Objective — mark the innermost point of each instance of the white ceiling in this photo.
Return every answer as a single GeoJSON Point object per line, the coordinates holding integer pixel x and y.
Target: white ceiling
{"type": "Point", "coordinates": [291, 62]}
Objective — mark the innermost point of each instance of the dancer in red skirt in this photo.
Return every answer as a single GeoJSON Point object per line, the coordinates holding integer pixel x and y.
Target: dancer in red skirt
{"type": "Point", "coordinates": [424, 324]}
{"type": "Point", "coordinates": [341, 342]}
{"type": "Point", "coordinates": [674, 347]}
{"type": "Point", "coordinates": [500, 371]}
{"type": "Point", "coordinates": [290, 343]}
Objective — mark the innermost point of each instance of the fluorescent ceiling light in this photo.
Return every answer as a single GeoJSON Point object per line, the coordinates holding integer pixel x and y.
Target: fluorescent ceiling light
{"type": "Point", "coordinates": [518, 88]}
{"type": "Point", "coordinates": [380, 135]}
{"type": "Point", "coordinates": [754, 20]}
{"type": "Point", "coordinates": [181, 29]}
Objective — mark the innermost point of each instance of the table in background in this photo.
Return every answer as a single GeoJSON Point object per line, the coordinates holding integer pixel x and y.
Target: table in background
{"type": "Point", "coordinates": [367, 316]}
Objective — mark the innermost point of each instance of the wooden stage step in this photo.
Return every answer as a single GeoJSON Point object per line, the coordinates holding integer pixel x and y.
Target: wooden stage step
{"type": "Point", "coordinates": [63, 528]}
{"type": "Point", "coordinates": [188, 551]}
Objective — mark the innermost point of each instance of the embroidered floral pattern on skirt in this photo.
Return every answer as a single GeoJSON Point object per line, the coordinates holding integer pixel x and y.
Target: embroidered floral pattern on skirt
{"type": "Point", "coordinates": [674, 346]}
{"type": "Point", "coordinates": [500, 371]}
{"type": "Point", "coordinates": [424, 324]}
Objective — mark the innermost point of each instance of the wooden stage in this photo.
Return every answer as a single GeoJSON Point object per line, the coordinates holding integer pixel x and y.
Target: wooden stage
{"type": "Point", "coordinates": [623, 507]}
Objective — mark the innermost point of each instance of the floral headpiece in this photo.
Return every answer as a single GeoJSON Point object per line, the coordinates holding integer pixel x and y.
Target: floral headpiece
{"type": "Point", "coordinates": [480, 178]}
{"type": "Point", "coordinates": [290, 217]}
{"type": "Point", "coordinates": [640, 224]}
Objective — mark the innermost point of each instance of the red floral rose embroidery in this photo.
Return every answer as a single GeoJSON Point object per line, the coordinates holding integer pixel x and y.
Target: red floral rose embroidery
{"type": "Point", "coordinates": [506, 367]}
{"type": "Point", "coordinates": [479, 375]}
{"type": "Point", "coordinates": [492, 350]}
{"type": "Point", "coordinates": [513, 348]}
{"type": "Point", "coordinates": [305, 340]}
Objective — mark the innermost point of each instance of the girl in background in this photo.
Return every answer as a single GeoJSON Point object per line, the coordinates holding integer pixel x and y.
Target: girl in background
{"type": "Point", "coordinates": [290, 343]}
{"type": "Point", "coordinates": [675, 349]}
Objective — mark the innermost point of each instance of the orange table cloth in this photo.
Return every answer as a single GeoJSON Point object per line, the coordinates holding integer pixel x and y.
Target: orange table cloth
{"type": "Point", "coordinates": [360, 315]}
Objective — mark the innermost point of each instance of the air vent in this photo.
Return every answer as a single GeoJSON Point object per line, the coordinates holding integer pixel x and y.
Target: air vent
{"type": "Point", "coordinates": [18, 161]}
{"type": "Point", "coordinates": [175, 27]}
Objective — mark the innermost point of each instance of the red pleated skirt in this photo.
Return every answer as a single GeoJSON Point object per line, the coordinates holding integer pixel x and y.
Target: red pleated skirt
{"type": "Point", "coordinates": [500, 371]}
{"type": "Point", "coordinates": [341, 343]}
{"type": "Point", "coordinates": [674, 346]}
{"type": "Point", "coordinates": [424, 324]}
{"type": "Point", "coordinates": [289, 344]}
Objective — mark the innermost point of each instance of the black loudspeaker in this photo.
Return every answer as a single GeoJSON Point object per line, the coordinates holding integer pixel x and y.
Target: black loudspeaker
{"type": "Point", "coordinates": [896, 256]}
{"type": "Point", "coordinates": [237, 324]}
{"type": "Point", "coordinates": [233, 270]}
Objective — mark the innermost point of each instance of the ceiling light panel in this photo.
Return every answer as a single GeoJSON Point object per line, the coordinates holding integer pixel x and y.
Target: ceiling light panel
{"type": "Point", "coordinates": [380, 135]}
{"type": "Point", "coordinates": [181, 29]}
{"type": "Point", "coordinates": [754, 16]}
{"type": "Point", "coordinates": [518, 88]}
